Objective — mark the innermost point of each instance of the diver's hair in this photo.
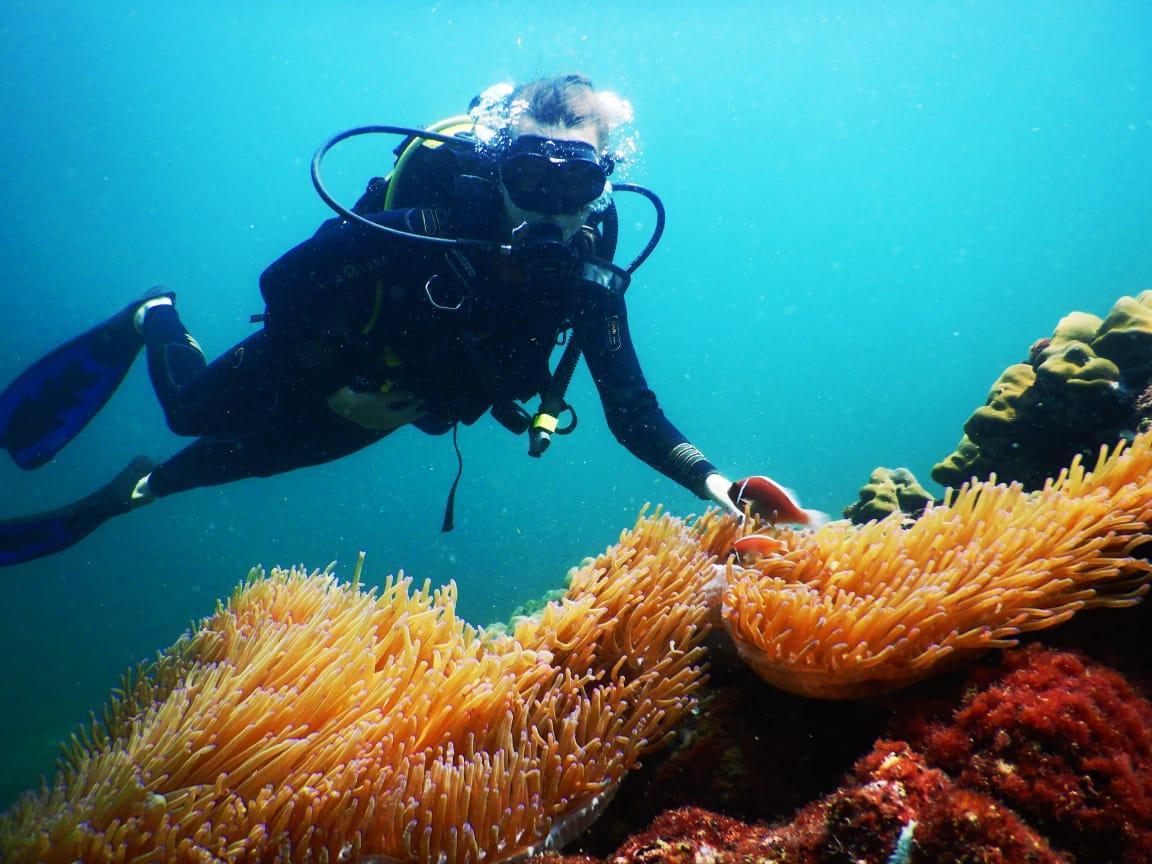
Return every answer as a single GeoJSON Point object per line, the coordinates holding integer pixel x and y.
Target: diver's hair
{"type": "Point", "coordinates": [563, 100]}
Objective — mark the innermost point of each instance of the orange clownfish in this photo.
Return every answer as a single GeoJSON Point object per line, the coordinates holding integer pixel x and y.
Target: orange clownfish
{"type": "Point", "coordinates": [752, 548]}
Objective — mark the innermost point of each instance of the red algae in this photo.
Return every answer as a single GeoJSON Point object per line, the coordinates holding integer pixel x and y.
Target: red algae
{"type": "Point", "coordinates": [1041, 758]}
{"type": "Point", "coordinates": [892, 793]}
{"type": "Point", "coordinates": [1063, 742]}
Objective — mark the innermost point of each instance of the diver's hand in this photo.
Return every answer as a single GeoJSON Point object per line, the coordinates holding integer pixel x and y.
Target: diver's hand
{"type": "Point", "coordinates": [381, 412]}
{"type": "Point", "coordinates": [717, 486]}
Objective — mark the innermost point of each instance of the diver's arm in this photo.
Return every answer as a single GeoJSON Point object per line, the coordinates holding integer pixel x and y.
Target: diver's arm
{"type": "Point", "coordinates": [631, 408]}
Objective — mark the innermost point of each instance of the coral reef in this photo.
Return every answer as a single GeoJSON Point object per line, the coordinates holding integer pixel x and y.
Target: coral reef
{"type": "Point", "coordinates": [852, 610]}
{"type": "Point", "coordinates": [1040, 756]}
{"type": "Point", "coordinates": [888, 490]}
{"type": "Point", "coordinates": [1125, 337]}
{"type": "Point", "coordinates": [1079, 389]}
{"type": "Point", "coordinates": [311, 720]}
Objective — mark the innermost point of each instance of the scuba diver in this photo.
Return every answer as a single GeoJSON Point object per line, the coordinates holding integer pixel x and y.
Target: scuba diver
{"type": "Point", "coordinates": [438, 297]}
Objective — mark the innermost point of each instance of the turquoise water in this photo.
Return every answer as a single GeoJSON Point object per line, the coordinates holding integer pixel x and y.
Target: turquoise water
{"type": "Point", "coordinates": [873, 208]}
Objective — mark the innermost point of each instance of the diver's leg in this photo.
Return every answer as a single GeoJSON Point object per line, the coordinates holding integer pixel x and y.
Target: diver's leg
{"type": "Point", "coordinates": [41, 534]}
{"type": "Point", "coordinates": [174, 357]}
{"type": "Point", "coordinates": [237, 394]}
{"type": "Point", "coordinates": [307, 437]}
{"type": "Point", "coordinates": [210, 461]}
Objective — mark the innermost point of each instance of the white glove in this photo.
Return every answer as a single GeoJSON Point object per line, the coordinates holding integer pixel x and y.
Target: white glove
{"type": "Point", "coordinates": [717, 486]}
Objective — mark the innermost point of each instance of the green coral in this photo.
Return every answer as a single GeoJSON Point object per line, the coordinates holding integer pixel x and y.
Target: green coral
{"type": "Point", "coordinates": [959, 465]}
{"type": "Point", "coordinates": [1077, 327]}
{"type": "Point", "coordinates": [1076, 392]}
{"type": "Point", "coordinates": [998, 417]}
{"type": "Point", "coordinates": [888, 490]}
{"type": "Point", "coordinates": [1075, 364]}
{"type": "Point", "coordinates": [1125, 338]}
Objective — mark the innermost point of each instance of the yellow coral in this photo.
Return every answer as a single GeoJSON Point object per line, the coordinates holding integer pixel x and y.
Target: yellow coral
{"type": "Point", "coordinates": [1125, 336]}
{"type": "Point", "coordinates": [1077, 327]}
{"type": "Point", "coordinates": [1074, 364]}
{"type": "Point", "coordinates": [959, 465]}
{"type": "Point", "coordinates": [1003, 404]}
{"type": "Point", "coordinates": [1075, 393]}
{"type": "Point", "coordinates": [888, 490]}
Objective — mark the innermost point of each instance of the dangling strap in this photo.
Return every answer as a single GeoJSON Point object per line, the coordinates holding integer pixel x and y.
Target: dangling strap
{"type": "Point", "coordinates": [450, 506]}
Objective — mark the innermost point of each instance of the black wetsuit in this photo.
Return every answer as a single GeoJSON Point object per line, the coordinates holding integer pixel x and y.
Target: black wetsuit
{"type": "Point", "coordinates": [354, 306]}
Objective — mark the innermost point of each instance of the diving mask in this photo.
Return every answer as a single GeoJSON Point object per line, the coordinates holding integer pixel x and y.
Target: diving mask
{"type": "Point", "coordinates": [553, 177]}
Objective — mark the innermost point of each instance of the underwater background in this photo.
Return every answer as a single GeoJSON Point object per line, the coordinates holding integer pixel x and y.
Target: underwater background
{"type": "Point", "coordinates": [872, 210]}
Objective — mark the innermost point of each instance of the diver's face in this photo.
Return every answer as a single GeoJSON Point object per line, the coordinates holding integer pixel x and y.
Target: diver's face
{"type": "Point", "coordinates": [515, 216]}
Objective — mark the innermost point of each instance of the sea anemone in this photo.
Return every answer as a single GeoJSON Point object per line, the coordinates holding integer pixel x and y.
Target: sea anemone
{"type": "Point", "coordinates": [312, 720]}
{"type": "Point", "coordinates": [849, 610]}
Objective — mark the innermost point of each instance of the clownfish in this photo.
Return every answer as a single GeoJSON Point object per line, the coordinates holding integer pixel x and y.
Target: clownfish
{"type": "Point", "coordinates": [771, 501]}
{"type": "Point", "coordinates": [752, 548]}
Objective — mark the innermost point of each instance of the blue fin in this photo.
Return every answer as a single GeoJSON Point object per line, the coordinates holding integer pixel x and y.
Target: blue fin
{"type": "Point", "coordinates": [51, 401]}
{"type": "Point", "coordinates": [28, 537]}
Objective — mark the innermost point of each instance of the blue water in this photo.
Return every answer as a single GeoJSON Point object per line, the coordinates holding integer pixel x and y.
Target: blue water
{"type": "Point", "coordinates": [873, 208]}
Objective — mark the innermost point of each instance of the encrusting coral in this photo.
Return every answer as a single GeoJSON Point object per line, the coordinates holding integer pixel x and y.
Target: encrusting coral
{"type": "Point", "coordinates": [848, 610]}
{"type": "Point", "coordinates": [1078, 389]}
{"type": "Point", "coordinates": [312, 720]}
{"type": "Point", "coordinates": [888, 490]}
